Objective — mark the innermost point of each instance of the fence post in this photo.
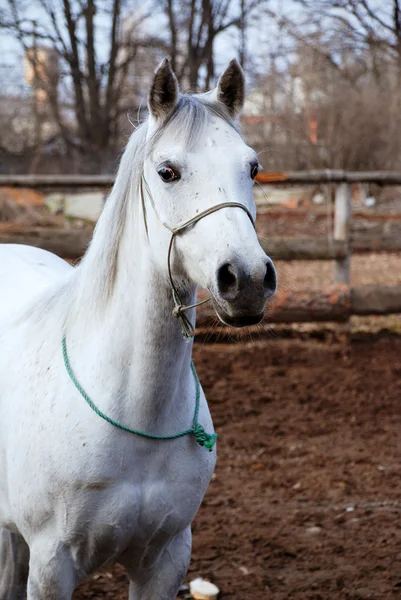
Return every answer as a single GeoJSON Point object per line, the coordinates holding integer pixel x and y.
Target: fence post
{"type": "Point", "coordinates": [342, 225]}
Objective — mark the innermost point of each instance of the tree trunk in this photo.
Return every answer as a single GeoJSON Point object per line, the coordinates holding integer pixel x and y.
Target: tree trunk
{"type": "Point", "coordinates": [173, 34]}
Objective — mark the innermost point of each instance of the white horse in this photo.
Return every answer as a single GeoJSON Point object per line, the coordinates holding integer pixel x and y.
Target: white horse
{"type": "Point", "coordinates": [77, 491]}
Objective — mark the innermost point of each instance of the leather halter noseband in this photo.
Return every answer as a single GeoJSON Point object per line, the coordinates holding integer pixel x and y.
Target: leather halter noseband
{"type": "Point", "coordinates": [179, 308]}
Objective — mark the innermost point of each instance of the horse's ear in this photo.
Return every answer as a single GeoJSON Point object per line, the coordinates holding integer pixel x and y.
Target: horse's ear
{"type": "Point", "coordinates": [231, 88]}
{"type": "Point", "coordinates": [163, 94]}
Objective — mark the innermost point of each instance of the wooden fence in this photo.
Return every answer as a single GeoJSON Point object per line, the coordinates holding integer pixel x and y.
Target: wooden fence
{"type": "Point", "coordinates": [337, 303]}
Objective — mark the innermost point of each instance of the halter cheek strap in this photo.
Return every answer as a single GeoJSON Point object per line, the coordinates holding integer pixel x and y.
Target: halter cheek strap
{"type": "Point", "coordinates": [180, 308]}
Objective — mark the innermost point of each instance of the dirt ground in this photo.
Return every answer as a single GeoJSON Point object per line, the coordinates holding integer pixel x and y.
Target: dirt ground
{"type": "Point", "coordinates": [306, 499]}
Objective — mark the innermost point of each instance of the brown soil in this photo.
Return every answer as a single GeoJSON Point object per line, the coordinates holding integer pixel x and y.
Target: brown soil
{"type": "Point", "coordinates": [306, 499]}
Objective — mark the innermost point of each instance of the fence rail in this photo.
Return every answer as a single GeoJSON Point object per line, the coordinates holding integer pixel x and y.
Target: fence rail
{"type": "Point", "coordinates": [56, 181]}
{"type": "Point", "coordinates": [334, 304]}
{"type": "Point", "coordinates": [72, 243]}
{"type": "Point", "coordinates": [331, 176]}
{"type": "Point", "coordinates": [285, 178]}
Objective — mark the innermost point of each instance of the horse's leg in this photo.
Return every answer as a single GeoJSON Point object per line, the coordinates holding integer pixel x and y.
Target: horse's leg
{"type": "Point", "coordinates": [52, 572]}
{"type": "Point", "coordinates": [14, 560]}
{"type": "Point", "coordinates": [164, 579]}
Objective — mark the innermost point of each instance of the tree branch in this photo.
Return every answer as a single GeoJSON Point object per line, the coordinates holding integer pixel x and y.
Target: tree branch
{"type": "Point", "coordinates": [76, 73]}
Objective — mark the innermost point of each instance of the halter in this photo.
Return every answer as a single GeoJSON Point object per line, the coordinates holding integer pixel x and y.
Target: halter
{"type": "Point", "coordinates": [187, 328]}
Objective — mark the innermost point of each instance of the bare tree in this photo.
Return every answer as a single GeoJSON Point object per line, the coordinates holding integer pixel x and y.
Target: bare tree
{"type": "Point", "coordinates": [331, 98]}
{"type": "Point", "coordinates": [363, 29]}
{"type": "Point", "coordinates": [97, 79]}
{"type": "Point", "coordinates": [193, 28]}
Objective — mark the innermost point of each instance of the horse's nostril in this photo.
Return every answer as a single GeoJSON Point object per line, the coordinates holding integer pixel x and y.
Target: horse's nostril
{"type": "Point", "coordinates": [227, 279]}
{"type": "Point", "coordinates": [270, 280]}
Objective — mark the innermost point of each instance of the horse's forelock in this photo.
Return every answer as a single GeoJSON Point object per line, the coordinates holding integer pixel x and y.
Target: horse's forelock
{"type": "Point", "coordinates": [189, 118]}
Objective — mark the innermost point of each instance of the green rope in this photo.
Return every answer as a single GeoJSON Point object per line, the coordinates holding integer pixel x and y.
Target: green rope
{"type": "Point", "coordinates": [207, 440]}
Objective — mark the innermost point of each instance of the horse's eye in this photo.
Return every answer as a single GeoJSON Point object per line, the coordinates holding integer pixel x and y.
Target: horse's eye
{"type": "Point", "coordinates": [254, 170]}
{"type": "Point", "coordinates": [168, 174]}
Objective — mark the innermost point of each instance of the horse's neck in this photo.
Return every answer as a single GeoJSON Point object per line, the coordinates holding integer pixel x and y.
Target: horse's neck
{"type": "Point", "coordinates": [134, 345]}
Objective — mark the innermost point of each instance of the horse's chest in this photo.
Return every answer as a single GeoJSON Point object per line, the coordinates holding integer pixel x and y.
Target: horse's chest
{"type": "Point", "coordinates": [150, 503]}
{"type": "Point", "coordinates": [161, 511]}
{"type": "Point", "coordinates": [172, 497]}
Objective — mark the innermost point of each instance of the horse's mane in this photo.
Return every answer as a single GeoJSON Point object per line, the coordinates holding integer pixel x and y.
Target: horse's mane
{"type": "Point", "coordinates": [98, 268]}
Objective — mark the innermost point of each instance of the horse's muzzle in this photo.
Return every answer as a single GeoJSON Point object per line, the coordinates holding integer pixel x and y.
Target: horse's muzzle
{"type": "Point", "coordinates": [240, 294]}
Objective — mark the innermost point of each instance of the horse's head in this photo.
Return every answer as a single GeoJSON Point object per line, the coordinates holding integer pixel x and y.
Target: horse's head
{"type": "Point", "coordinates": [196, 161]}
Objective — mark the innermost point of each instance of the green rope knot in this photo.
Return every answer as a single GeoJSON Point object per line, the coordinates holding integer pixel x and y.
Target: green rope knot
{"type": "Point", "coordinates": [207, 440]}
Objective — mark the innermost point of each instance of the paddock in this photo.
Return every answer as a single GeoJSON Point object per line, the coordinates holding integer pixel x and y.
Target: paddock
{"type": "Point", "coordinates": [305, 501]}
